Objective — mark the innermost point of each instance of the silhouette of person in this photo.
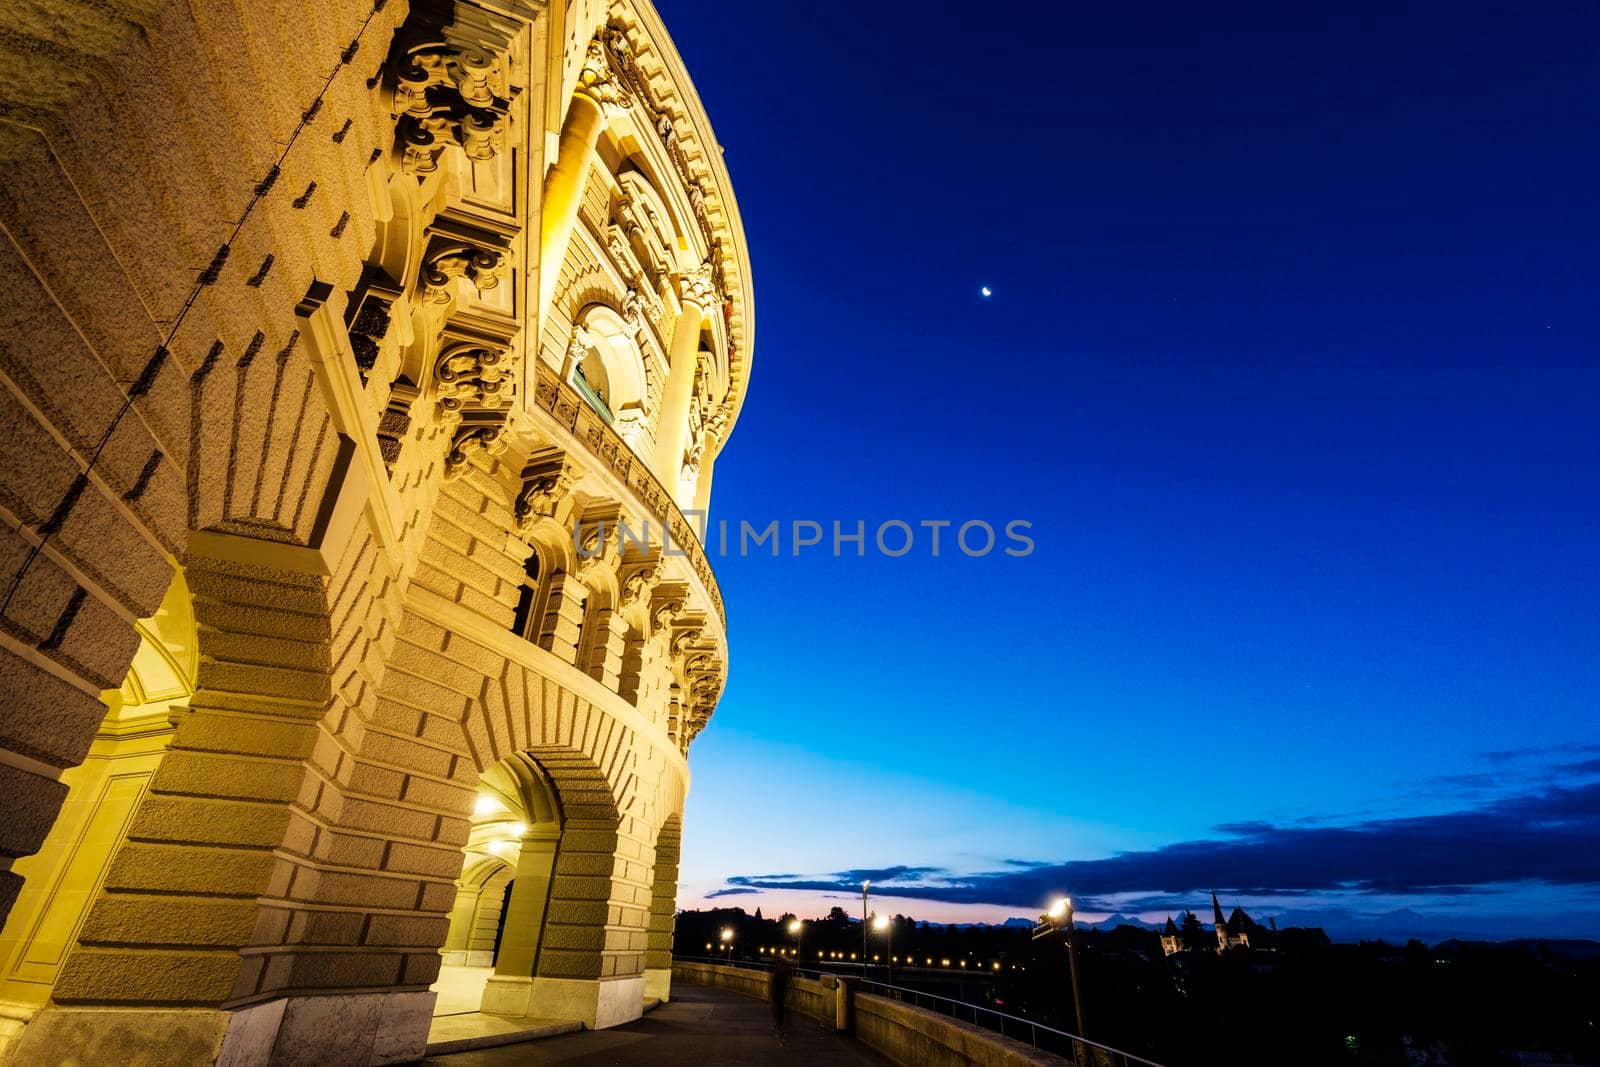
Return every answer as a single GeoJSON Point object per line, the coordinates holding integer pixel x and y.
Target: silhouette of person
{"type": "Point", "coordinates": [778, 994]}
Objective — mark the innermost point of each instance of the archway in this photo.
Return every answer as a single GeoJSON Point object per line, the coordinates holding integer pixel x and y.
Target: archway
{"type": "Point", "coordinates": [62, 879]}
{"type": "Point", "coordinates": [501, 896]}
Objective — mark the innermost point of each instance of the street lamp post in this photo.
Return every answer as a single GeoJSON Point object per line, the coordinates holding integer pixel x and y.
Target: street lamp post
{"type": "Point", "coordinates": [1059, 918]}
{"type": "Point", "coordinates": [864, 887]}
{"type": "Point", "coordinates": [727, 943]}
{"type": "Point", "coordinates": [797, 928]}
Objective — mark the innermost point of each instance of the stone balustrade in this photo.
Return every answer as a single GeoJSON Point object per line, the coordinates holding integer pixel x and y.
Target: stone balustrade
{"type": "Point", "coordinates": [902, 1032]}
{"type": "Point", "coordinates": [580, 419]}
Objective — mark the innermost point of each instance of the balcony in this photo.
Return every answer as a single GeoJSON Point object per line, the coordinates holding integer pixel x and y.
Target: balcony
{"type": "Point", "coordinates": [574, 414]}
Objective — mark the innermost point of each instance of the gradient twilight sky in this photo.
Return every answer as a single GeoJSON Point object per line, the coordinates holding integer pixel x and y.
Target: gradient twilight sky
{"type": "Point", "coordinates": [1292, 364]}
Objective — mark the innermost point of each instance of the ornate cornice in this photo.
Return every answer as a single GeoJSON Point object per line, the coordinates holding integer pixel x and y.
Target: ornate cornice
{"type": "Point", "coordinates": [656, 75]}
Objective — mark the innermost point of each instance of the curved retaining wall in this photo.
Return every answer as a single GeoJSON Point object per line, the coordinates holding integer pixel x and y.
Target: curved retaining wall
{"type": "Point", "coordinates": [905, 1034]}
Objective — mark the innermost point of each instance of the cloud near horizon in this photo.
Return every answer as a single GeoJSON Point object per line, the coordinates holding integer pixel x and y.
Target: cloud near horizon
{"type": "Point", "coordinates": [1550, 837]}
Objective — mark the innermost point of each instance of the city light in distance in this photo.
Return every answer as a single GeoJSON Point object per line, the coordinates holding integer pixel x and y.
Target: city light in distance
{"type": "Point", "coordinates": [985, 292]}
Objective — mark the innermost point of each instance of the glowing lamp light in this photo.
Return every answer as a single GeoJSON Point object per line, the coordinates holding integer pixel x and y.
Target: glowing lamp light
{"type": "Point", "coordinates": [985, 292]}
{"type": "Point", "coordinates": [881, 922]}
{"type": "Point", "coordinates": [487, 804]}
{"type": "Point", "coordinates": [727, 934]}
{"type": "Point", "coordinates": [518, 829]}
{"type": "Point", "coordinates": [1059, 907]}
{"type": "Point", "coordinates": [794, 926]}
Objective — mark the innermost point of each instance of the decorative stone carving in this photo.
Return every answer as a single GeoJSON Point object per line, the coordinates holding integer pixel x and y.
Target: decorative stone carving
{"type": "Point", "coordinates": [440, 269]}
{"type": "Point", "coordinates": [630, 426]}
{"type": "Point", "coordinates": [471, 373]}
{"type": "Point", "coordinates": [684, 638]}
{"type": "Point", "coordinates": [577, 349]}
{"type": "Point", "coordinates": [633, 307]}
{"type": "Point", "coordinates": [638, 586]}
{"type": "Point", "coordinates": [701, 663]}
{"type": "Point", "coordinates": [667, 613]}
{"type": "Point", "coordinates": [704, 692]}
{"type": "Point", "coordinates": [598, 538]}
{"type": "Point", "coordinates": [543, 493]}
{"type": "Point", "coordinates": [622, 254]}
{"type": "Point", "coordinates": [488, 437]}
{"type": "Point", "coordinates": [598, 79]}
{"type": "Point", "coordinates": [446, 94]}
{"type": "Point", "coordinates": [700, 286]}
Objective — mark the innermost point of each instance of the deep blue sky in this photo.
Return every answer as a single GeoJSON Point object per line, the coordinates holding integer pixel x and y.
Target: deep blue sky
{"type": "Point", "coordinates": [1291, 362]}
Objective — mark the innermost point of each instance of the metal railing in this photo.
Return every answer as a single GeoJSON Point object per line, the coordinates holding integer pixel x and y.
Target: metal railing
{"type": "Point", "coordinates": [1079, 1050]}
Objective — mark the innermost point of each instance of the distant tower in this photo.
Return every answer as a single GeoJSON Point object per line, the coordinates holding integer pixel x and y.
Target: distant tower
{"type": "Point", "coordinates": [1232, 932]}
{"type": "Point", "coordinates": [1169, 938]}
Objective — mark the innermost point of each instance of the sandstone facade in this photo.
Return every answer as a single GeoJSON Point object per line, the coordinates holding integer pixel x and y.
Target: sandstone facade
{"type": "Point", "coordinates": [363, 366]}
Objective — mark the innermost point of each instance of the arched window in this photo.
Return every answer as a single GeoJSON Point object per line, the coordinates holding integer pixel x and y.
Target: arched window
{"type": "Point", "coordinates": [522, 621]}
{"type": "Point", "coordinates": [590, 376]}
{"type": "Point", "coordinates": [607, 368]}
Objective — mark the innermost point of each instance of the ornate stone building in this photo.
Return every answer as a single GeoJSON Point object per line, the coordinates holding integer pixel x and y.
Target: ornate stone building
{"type": "Point", "coordinates": [325, 327]}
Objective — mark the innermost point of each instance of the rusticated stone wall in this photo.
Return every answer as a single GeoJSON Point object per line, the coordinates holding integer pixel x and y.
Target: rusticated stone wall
{"type": "Point", "coordinates": [270, 312]}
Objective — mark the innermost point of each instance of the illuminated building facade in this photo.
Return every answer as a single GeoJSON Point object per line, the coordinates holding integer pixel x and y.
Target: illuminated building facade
{"type": "Point", "coordinates": [326, 327]}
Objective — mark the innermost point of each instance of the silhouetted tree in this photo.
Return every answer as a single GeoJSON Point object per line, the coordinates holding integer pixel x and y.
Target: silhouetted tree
{"type": "Point", "coordinates": [1192, 936]}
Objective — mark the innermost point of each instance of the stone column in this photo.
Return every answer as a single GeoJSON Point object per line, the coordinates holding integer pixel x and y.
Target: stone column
{"type": "Point", "coordinates": [672, 428]}
{"type": "Point", "coordinates": [663, 912]}
{"type": "Point", "coordinates": [702, 489]}
{"type": "Point", "coordinates": [486, 921]}
{"type": "Point", "coordinates": [563, 190]}
{"type": "Point", "coordinates": [606, 649]}
{"type": "Point", "coordinates": [631, 664]}
{"type": "Point", "coordinates": [562, 626]}
{"type": "Point", "coordinates": [458, 940]}
{"type": "Point", "coordinates": [508, 990]}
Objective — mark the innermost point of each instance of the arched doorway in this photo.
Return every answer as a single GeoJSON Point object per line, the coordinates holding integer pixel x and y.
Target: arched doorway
{"type": "Point", "coordinates": [504, 889]}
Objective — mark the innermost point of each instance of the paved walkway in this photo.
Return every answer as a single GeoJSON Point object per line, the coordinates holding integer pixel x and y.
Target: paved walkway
{"type": "Point", "coordinates": [700, 1027]}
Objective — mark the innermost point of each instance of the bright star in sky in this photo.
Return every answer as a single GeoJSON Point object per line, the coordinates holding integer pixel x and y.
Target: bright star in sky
{"type": "Point", "coordinates": [986, 292]}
